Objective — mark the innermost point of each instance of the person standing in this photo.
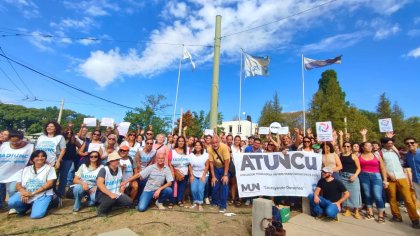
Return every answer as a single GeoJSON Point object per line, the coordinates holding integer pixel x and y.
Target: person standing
{"type": "Point", "coordinates": [179, 160]}
{"type": "Point", "coordinates": [413, 162]}
{"type": "Point", "coordinates": [198, 170]}
{"type": "Point", "coordinates": [53, 143]}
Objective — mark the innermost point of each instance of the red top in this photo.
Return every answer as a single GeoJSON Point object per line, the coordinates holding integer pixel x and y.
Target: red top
{"type": "Point", "coordinates": [371, 166]}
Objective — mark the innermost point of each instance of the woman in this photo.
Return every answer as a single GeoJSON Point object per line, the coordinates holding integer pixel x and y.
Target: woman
{"type": "Point", "coordinates": [179, 161]}
{"type": "Point", "coordinates": [94, 145]}
{"type": "Point", "coordinates": [110, 146]}
{"type": "Point", "coordinates": [85, 180]}
{"type": "Point", "coordinates": [70, 158]}
{"type": "Point", "coordinates": [349, 177]}
{"type": "Point", "coordinates": [198, 170]}
{"type": "Point", "coordinates": [355, 149]}
{"type": "Point", "coordinates": [109, 192]}
{"type": "Point", "coordinates": [34, 187]}
{"type": "Point", "coordinates": [160, 147]}
{"type": "Point", "coordinates": [370, 178]}
{"type": "Point", "coordinates": [307, 145]}
{"type": "Point", "coordinates": [52, 143]}
{"type": "Point", "coordinates": [331, 159]}
{"type": "Point", "coordinates": [130, 141]}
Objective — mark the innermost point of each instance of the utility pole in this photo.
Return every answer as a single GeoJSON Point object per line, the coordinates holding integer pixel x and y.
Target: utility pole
{"type": "Point", "coordinates": [60, 113]}
{"type": "Point", "coordinates": [214, 105]}
{"type": "Point", "coordinates": [180, 124]}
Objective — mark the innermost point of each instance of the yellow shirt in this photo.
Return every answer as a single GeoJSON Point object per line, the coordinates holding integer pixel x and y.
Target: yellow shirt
{"type": "Point", "coordinates": [224, 153]}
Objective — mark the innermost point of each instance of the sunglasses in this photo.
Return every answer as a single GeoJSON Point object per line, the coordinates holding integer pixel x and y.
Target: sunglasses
{"type": "Point", "coordinates": [149, 143]}
{"type": "Point", "coordinates": [347, 146]}
{"type": "Point", "coordinates": [123, 150]}
{"type": "Point", "coordinates": [306, 141]}
{"type": "Point", "coordinates": [149, 133]}
{"type": "Point", "coordinates": [94, 156]}
{"type": "Point", "coordinates": [96, 134]}
{"type": "Point", "coordinates": [409, 143]}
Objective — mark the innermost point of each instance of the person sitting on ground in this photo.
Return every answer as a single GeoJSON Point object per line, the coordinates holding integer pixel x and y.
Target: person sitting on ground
{"type": "Point", "coordinates": [108, 183]}
{"type": "Point", "coordinates": [34, 187]}
{"type": "Point", "coordinates": [328, 195]}
{"type": "Point", "coordinates": [156, 187]}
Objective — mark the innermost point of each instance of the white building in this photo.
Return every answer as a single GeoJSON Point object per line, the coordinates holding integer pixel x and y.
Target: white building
{"type": "Point", "coordinates": [243, 128]}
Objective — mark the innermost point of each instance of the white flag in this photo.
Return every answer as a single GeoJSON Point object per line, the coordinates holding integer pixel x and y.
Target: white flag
{"type": "Point", "coordinates": [256, 65]}
{"type": "Point", "coordinates": [187, 55]}
{"type": "Point", "coordinates": [311, 63]}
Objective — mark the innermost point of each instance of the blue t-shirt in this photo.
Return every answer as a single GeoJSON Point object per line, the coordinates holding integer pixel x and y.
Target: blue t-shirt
{"type": "Point", "coordinates": [413, 161]}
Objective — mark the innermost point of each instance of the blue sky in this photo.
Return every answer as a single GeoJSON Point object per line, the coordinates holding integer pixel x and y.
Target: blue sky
{"type": "Point", "coordinates": [140, 46]}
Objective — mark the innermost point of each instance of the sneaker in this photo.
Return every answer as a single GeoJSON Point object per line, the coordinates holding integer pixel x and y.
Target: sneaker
{"type": "Point", "coordinates": [12, 211]}
{"type": "Point", "coordinates": [222, 210]}
{"type": "Point", "coordinates": [75, 211]}
{"type": "Point", "coordinates": [346, 213]}
{"type": "Point", "coordinates": [207, 201]}
{"type": "Point", "coordinates": [159, 205]}
{"type": "Point", "coordinates": [194, 206]}
{"type": "Point", "coordinates": [395, 219]}
{"type": "Point", "coordinates": [247, 202]}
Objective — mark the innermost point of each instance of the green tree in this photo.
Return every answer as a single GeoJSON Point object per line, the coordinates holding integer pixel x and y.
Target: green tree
{"type": "Point", "coordinates": [293, 119]}
{"type": "Point", "coordinates": [271, 112]}
{"type": "Point", "coordinates": [383, 109]}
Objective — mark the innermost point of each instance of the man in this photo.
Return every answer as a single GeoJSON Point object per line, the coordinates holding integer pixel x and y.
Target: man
{"type": "Point", "coordinates": [129, 168]}
{"type": "Point", "coordinates": [250, 143]}
{"type": "Point", "coordinates": [219, 157]}
{"type": "Point", "coordinates": [156, 187]}
{"type": "Point", "coordinates": [398, 183]}
{"type": "Point", "coordinates": [229, 140]}
{"type": "Point", "coordinates": [413, 162]}
{"type": "Point", "coordinates": [333, 194]}
{"type": "Point", "coordinates": [190, 144]}
{"type": "Point", "coordinates": [255, 148]}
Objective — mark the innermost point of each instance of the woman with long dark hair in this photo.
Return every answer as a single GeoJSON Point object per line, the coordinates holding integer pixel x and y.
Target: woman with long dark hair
{"type": "Point", "coordinates": [179, 161]}
{"type": "Point", "coordinates": [198, 170]}
{"type": "Point", "coordinates": [331, 159]}
{"type": "Point", "coordinates": [52, 143]}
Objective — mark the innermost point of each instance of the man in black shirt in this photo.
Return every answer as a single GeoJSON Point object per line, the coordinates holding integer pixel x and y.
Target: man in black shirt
{"type": "Point", "coordinates": [328, 195]}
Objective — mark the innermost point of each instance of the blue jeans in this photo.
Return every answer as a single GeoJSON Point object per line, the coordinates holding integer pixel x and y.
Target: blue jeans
{"type": "Point", "coordinates": [70, 175]}
{"type": "Point", "coordinates": [79, 193]}
{"type": "Point", "coordinates": [220, 190]}
{"type": "Point", "coordinates": [142, 184]}
{"type": "Point", "coordinates": [147, 196]}
{"type": "Point", "coordinates": [64, 171]}
{"type": "Point", "coordinates": [39, 206]}
{"type": "Point", "coordinates": [197, 190]}
{"type": "Point", "coordinates": [10, 188]}
{"type": "Point", "coordinates": [323, 207]}
{"type": "Point", "coordinates": [372, 183]}
{"type": "Point", "coordinates": [181, 190]}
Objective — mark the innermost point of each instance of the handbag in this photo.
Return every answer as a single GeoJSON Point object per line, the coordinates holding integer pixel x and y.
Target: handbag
{"type": "Point", "coordinates": [232, 170]}
{"type": "Point", "coordinates": [178, 175]}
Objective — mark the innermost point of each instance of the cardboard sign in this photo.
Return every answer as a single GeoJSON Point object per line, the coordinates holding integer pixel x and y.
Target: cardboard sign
{"type": "Point", "coordinates": [274, 127]}
{"type": "Point", "coordinates": [283, 130]}
{"type": "Point", "coordinates": [324, 131]}
{"type": "Point", "coordinates": [385, 125]}
{"type": "Point", "coordinates": [108, 122]}
{"type": "Point", "coordinates": [208, 132]}
{"type": "Point", "coordinates": [123, 128]}
{"type": "Point", "coordinates": [264, 130]}
{"type": "Point", "coordinates": [89, 121]}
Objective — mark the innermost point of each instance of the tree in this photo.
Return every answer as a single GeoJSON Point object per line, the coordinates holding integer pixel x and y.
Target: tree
{"type": "Point", "coordinates": [271, 112]}
{"type": "Point", "coordinates": [293, 119]}
{"type": "Point", "coordinates": [148, 114]}
{"type": "Point", "coordinates": [383, 109]}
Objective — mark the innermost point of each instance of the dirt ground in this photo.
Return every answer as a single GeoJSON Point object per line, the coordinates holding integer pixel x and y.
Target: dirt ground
{"type": "Point", "coordinates": [178, 221]}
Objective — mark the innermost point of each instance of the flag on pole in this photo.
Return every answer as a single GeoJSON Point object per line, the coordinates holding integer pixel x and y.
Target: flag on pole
{"type": "Point", "coordinates": [256, 65]}
{"type": "Point", "coordinates": [187, 55]}
{"type": "Point", "coordinates": [311, 63]}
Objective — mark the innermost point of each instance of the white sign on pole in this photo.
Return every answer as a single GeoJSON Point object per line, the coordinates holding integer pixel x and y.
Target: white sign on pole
{"type": "Point", "coordinates": [274, 127]}
{"type": "Point", "coordinates": [275, 174]}
{"type": "Point", "coordinates": [385, 125]}
{"type": "Point", "coordinates": [263, 130]}
{"type": "Point", "coordinates": [123, 128]}
{"type": "Point", "coordinates": [89, 121]}
{"type": "Point", "coordinates": [283, 130]}
{"type": "Point", "coordinates": [109, 122]}
{"type": "Point", "coordinates": [208, 132]}
{"type": "Point", "coordinates": [324, 131]}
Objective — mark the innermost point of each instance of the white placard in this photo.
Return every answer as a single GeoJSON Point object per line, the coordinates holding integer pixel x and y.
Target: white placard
{"type": "Point", "coordinates": [109, 122]}
{"type": "Point", "coordinates": [275, 174]}
{"type": "Point", "coordinates": [324, 131]}
{"type": "Point", "coordinates": [208, 132]}
{"type": "Point", "coordinates": [123, 128]}
{"type": "Point", "coordinates": [89, 122]}
{"type": "Point", "coordinates": [385, 125]}
{"type": "Point", "coordinates": [263, 130]}
{"type": "Point", "coordinates": [283, 130]}
{"type": "Point", "coordinates": [274, 127]}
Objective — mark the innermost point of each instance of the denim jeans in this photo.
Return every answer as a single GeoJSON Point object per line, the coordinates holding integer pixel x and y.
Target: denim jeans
{"type": "Point", "coordinates": [106, 203]}
{"type": "Point", "coordinates": [142, 184]}
{"type": "Point", "coordinates": [208, 189]}
{"type": "Point", "coordinates": [372, 185]}
{"type": "Point", "coordinates": [323, 207]}
{"type": "Point", "coordinates": [197, 190]}
{"type": "Point", "coordinates": [220, 190]}
{"type": "Point", "coordinates": [39, 206]}
{"type": "Point", "coordinates": [64, 171]}
{"type": "Point", "coordinates": [10, 188]}
{"type": "Point", "coordinates": [146, 197]}
{"type": "Point", "coordinates": [79, 193]}
{"type": "Point", "coordinates": [180, 191]}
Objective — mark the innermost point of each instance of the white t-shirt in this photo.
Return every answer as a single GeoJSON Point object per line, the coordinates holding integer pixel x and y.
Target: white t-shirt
{"type": "Point", "coordinates": [128, 171]}
{"type": "Point", "coordinates": [32, 181]}
{"type": "Point", "coordinates": [12, 161]}
{"type": "Point", "coordinates": [96, 147]}
{"type": "Point", "coordinates": [133, 150]}
{"type": "Point", "coordinates": [88, 175]}
{"type": "Point", "coordinates": [198, 164]}
{"type": "Point", "coordinates": [51, 145]}
{"type": "Point", "coordinates": [180, 162]}
{"type": "Point", "coordinates": [236, 150]}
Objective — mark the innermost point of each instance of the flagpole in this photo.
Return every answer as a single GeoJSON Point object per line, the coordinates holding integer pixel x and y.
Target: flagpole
{"type": "Point", "coordinates": [303, 96]}
{"type": "Point", "coordinates": [177, 87]}
{"type": "Point", "coordinates": [240, 93]}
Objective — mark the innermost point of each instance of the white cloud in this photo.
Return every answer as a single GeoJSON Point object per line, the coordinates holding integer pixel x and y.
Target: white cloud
{"type": "Point", "coordinates": [41, 42]}
{"type": "Point", "coordinates": [380, 28]}
{"type": "Point", "coordinates": [93, 7]}
{"type": "Point", "coordinates": [414, 53]}
{"type": "Point", "coordinates": [193, 21]}
{"type": "Point", "coordinates": [335, 43]}
{"type": "Point", "coordinates": [413, 33]}
{"type": "Point", "coordinates": [83, 24]}
{"type": "Point", "coordinates": [384, 33]}
{"type": "Point", "coordinates": [28, 8]}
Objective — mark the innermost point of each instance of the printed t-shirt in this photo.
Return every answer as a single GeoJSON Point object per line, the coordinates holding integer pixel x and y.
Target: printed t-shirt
{"type": "Point", "coordinates": [12, 161]}
{"type": "Point", "coordinates": [51, 145]}
{"type": "Point", "coordinates": [32, 181]}
{"type": "Point", "coordinates": [156, 177]}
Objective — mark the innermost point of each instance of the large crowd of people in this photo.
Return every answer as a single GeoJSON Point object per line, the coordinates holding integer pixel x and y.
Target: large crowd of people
{"type": "Point", "coordinates": [141, 169]}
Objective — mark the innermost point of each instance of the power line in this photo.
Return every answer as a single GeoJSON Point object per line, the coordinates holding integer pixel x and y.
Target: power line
{"type": "Point", "coordinates": [66, 84]}
{"type": "Point", "coordinates": [11, 81]}
{"type": "Point", "coordinates": [284, 18]}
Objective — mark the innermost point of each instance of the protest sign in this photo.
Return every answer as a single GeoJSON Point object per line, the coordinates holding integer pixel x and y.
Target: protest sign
{"type": "Point", "coordinates": [263, 130]}
{"type": "Point", "coordinates": [208, 132]}
{"type": "Point", "coordinates": [109, 122]}
{"type": "Point", "coordinates": [89, 121]}
{"type": "Point", "coordinates": [274, 127]}
{"type": "Point", "coordinates": [123, 128]}
{"type": "Point", "coordinates": [324, 131]}
{"type": "Point", "coordinates": [275, 174]}
{"type": "Point", "coordinates": [283, 130]}
{"type": "Point", "coordinates": [385, 125]}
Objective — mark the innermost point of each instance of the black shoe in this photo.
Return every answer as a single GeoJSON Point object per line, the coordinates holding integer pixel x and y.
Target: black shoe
{"type": "Point", "coordinates": [396, 219]}
{"type": "Point", "coordinates": [415, 224]}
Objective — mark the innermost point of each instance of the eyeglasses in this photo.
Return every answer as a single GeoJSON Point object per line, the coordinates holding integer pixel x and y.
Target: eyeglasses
{"type": "Point", "coordinates": [123, 150]}
{"type": "Point", "coordinates": [149, 143]}
{"type": "Point", "coordinates": [409, 143]}
{"type": "Point", "coordinates": [97, 134]}
{"type": "Point", "coordinates": [257, 143]}
{"type": "Point", "coordinates": [306, 141]}
{"type": "Point", "coordinates": [94, 156]}
{"type": "Point", "coordinates": [149, 133]}
{"type": "Point", "coordinates": [346, 146]}
{"type": "Point", "coordinates": [111, 138]}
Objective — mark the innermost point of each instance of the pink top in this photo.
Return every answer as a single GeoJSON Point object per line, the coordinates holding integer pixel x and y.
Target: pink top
{"type": "Point", "coordinates": [371, 166]}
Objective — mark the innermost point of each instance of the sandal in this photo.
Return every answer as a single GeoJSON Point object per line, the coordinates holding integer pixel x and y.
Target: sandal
{"type": "Point", "coordinates": [180, 204]}
{"type": "Point", "coordinates": [238, 204]}
{"type": "Point", "coordinates": [381, 220]}
{"type": "Point", "coordinates": [369, 217]}
{"type": "Point", "coordinates": [170, 206]}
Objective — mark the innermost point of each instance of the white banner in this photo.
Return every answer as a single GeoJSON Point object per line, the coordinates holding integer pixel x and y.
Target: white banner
{"type": "Point", "coordinates": [109, 122]}
{"type": "Point", "coordinates": [263, 130]}
{"type": "Point", "coordinates": [275, 174]}
{"type": "Point", "coordinates": [385, 125]}
{"type": "Point", "coordinates": [89, 121]}
{"type": "Point", "coordinates": [324, 131]}
{"type": "Point", "coordinates": [123, 128]}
